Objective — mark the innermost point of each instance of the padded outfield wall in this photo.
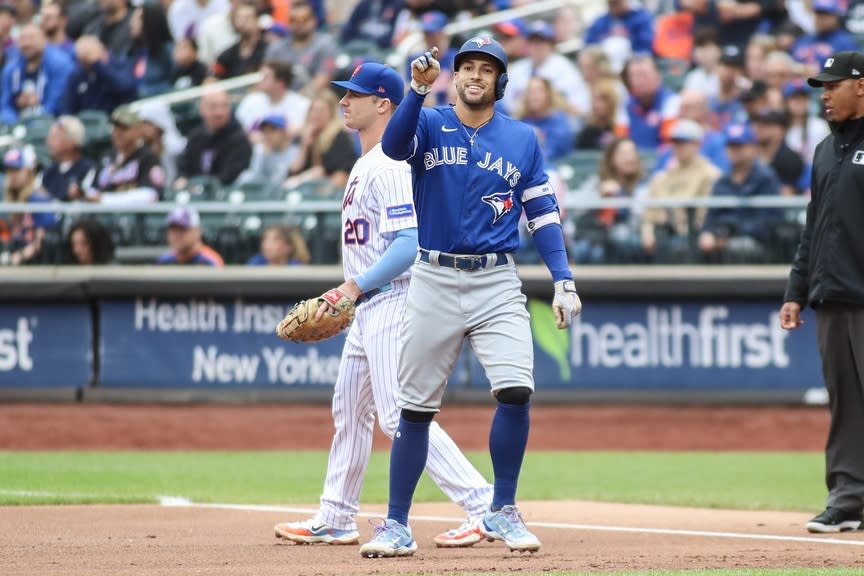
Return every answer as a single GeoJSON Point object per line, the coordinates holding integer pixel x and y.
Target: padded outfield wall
{"type": "Point", "coordinates": [661, 334]}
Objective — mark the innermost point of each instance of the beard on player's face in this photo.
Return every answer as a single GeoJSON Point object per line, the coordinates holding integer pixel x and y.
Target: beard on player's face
{"type": "Point", "coordinates": [475, 101]}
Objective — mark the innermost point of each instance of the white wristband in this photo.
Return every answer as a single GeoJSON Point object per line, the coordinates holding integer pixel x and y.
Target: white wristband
{"type": "Point", "coordinates": [421, 89]}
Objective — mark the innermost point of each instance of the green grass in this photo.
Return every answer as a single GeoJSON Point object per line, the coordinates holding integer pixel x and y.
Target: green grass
{"type": "Point", "coordinates": [775, 481]}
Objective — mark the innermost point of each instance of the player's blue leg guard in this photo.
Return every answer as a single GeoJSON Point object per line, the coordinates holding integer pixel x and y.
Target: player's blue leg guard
{"type": "Point", "coordinates": [507, 441]}
{"type": "Point", "coordinates": [407, 461]}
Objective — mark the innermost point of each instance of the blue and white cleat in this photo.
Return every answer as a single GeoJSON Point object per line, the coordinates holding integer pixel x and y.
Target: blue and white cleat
{"type": "Point", "coordinates": [507, 525]}
{"type": "Point", "coordinates": [390, 539]}
{"type": "Point", "coordinates": [313, 532]}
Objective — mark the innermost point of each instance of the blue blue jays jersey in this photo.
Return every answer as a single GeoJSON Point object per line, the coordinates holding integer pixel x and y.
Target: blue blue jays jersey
{"type": "Point", "coordinates": [470, 187]}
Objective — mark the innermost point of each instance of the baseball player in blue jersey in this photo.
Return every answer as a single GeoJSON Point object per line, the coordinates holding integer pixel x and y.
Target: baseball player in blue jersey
{"type": "Point", "coordinates": [378, 247]}
{"type": "Point", "coordinates": [475, 171]}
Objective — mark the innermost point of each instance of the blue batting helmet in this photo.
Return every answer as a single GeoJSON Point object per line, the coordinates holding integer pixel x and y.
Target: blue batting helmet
{"type": "Point", "coordinates": [488, 46]}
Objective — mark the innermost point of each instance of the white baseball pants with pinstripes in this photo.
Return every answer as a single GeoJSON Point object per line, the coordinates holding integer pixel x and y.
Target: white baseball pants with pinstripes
{"type": "Point", "coordinates": [367, 384]}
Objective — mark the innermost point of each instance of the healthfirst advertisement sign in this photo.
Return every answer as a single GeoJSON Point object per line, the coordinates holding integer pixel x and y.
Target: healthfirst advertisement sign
{"type": "Point", "coordinates": [207, 343]}
{"type": "Point", "coordinates": [672, 346]}
{"type": "Point", "coordinates": [45, 346]}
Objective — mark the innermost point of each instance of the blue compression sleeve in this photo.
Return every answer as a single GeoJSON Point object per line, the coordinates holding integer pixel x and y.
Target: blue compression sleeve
{"type": "Point", "coordinates": [398, 139]}
{"type": "Point", "coordinates": [397, 258]}
{"type": "Point", "coordinates": [550, 244]}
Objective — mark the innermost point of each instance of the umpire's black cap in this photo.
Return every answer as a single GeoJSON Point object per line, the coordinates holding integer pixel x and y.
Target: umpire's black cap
{"type": "Point", "coordinates": [840, 66]}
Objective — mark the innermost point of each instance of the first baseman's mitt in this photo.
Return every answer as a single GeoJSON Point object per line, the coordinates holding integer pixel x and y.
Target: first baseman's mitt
{"type": "Point", "coordinates": [299, 325]}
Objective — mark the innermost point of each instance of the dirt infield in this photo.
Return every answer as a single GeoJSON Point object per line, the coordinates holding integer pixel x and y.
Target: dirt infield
{"type": "Point", "coordinates": [155, 540]}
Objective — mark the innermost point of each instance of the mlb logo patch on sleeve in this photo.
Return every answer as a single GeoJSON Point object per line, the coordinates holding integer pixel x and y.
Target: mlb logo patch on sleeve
{"type": "Point", "coordinates": [400, 211]}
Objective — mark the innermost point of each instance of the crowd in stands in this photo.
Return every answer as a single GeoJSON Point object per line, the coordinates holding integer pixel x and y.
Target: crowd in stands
{"type": "Point", "coordinates": [685, 99]}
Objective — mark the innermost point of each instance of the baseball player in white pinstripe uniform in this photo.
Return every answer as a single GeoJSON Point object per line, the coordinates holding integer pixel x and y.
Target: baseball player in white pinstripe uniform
{"type": "Point", "coordinates": [379, 245]}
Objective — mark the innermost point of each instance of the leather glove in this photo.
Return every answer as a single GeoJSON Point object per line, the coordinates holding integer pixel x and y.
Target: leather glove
{"type": "Point", "coordinates": [566, 303]}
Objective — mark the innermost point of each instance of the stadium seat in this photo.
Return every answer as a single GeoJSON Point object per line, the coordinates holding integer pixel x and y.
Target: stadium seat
{"type": "Point", "coordinates": [97, 131]}
{"type": "Point", "coordinates": [197, 189]}
{"type": "Point", "coordinates": [251, 191]}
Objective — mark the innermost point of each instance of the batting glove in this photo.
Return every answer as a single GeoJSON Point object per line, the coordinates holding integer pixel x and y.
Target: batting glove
{"type": "Point", "coordinates": [566, 303]}
{"type": "Point", "coordinates": [424, 71]}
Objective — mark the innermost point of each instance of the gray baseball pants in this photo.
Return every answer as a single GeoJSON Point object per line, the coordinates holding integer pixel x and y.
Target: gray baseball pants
{"type": "Point", "coordinates": [840, 333]}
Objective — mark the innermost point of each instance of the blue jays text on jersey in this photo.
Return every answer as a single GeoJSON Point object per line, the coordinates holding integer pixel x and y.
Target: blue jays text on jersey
{"type": "Point", "coordinates": [470, 189]}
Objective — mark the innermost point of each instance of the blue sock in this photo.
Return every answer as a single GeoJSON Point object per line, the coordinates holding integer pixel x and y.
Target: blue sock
{"type": "Point", "coordinates": [407, 461]}
{"type": "Point", "coordinates": [508, 439]}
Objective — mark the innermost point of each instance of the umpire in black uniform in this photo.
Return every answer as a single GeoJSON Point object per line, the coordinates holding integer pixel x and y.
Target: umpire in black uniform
{"type": "Point", "coordinates": [828, 273]}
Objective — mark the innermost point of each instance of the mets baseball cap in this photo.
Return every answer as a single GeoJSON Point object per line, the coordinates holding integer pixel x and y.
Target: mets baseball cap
{"type": "Point", "coordinates": [776, 116]}
{"type": "Point", "coordinates": [541, 30]}
{"type": "Point", "coordinates": [433, 21]}
{"type": "Point", "coordinates": [273, 120]}
{"type": "Point", "coordinates": [184, 217]}
{"type": "Point", "coordinates": [732, 56]}
{"type": "Point", "coordinates": [739, 133]}
{"type": "Point", "coordinates": [686, 130]}
{"type": "Point", "coordinates": [20, 157]}
{"type": "Point", "coordinates": [511, 28]}
{"type": "Point", "coordinates": [795, 88]}
{"type": "Point", "coordinates": [840, 66]}
{"type": "Point", "coordinates": [374, 78]}
{"type": "Point", "coordinates": [835, 7]}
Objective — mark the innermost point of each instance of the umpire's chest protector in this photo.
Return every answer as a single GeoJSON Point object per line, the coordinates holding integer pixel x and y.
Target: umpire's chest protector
{"type": "Point", "coordinates": [468, 182]}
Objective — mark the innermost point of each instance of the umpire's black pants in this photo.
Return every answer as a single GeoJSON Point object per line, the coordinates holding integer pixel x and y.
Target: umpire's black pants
{"type": "Point", "coordinates": [840, 333]}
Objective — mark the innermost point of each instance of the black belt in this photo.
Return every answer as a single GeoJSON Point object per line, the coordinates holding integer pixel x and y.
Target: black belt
{"type": "Point", "coordinates": [374, 292]}
{"type": "Point", "coordinates": [465, 263]}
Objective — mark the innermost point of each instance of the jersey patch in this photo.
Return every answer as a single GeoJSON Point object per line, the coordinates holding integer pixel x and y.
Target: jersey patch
{"type": "Point", "coordinates": [400, 211]}
{"type": "Point", "coordinates": [858, 158]}
{"type": "Point", "coordinates": [501, 203]}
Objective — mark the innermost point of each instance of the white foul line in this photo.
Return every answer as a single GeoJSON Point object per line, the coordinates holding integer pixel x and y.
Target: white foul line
{"type": "Point", "coordinates": [176, 501]}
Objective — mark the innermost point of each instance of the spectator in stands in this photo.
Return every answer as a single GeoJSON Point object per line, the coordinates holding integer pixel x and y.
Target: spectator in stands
{"type": "Point", "coordinates": [159, 132]}
{"type": "Point", "coordinates": [281, 246]}
{"type": "Point", "coordinates": [53, 20]}
{"type": "Point", "coordinates": [133, 175]}
{"type": "Point", "coordinates": [25, 11]}
{"type": "Point", "coordinates": [599, 129]}
{"type": "Point", "coordinates": [545, 109]}
{"type": "Point", "coordinates": [219, 147]}
{"type": "Point", "coordinates": [511, 35]}
{"type": "Point", "coordinates": [112, 27]}
{"type": "Point", "coordinates": [665, 233]}
{"type": "Point", "coordinates": [738, 20]}
{"type": "Point", "coordinates": [184, 16]}
{"type": "Point", "coordinates": [694, 106]}
{"type": "Point", "coordinates": [758, 97]}
{"type": "Point", "coordinates": [99, 82]}
{"type": "Point", "coordinates": [216, 34]}
{"type": "Point", "coordinates": [372, 21]}
{"type": "Point", "coordinates": [755, 53]}
{"type": "Point", "coordinates": [706, 61]}
{"type": "Point", "coordinates": [313, 53]}
{"type": "Point", "coordinates": [651, 107]}
{"type": "Point", "coordinates": [432, 25]}
{"type": "Point", "coordinates": [769, 126]}
{"type": "Point", "coordinates": [187, 70]}
{"type": "Point", "coordinates": [185, 240]}
{"type": "Point", "coordinates": [327, 150]}
{"type": "Point", "coordinates": [152, 49]}
{"type": "Point", "coordinates": [274, 97]}
{"type": "Point", "coordinates": [778, 68]}
{"type": "Point", "coordinates": [830, 36]}
{"type": "Point", "coordinates": [247, 54]}
{"type": "Point", "coordinates": [71, 173]}
{"type": "Point", "coordinates": [806, 130]}
{"type": "Point", "coordinates": [740, 233]}
{"type": "Point", "coordinates": [612, 234]}
{"type": "Point", "coordinates": [726, 106]}
{"type": "Point", "coordinates": [543, 60]}
{"type": "Point", "coordinates": [624, 20]}
{"type": "Point", "coordinates": [89, 243]}
{"type": "Point", "coordinates": [34, 80]}
{"type": "Point", "coordinates": [273, 154]}
{"type": "Point", "coordinates": [26, 229]}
